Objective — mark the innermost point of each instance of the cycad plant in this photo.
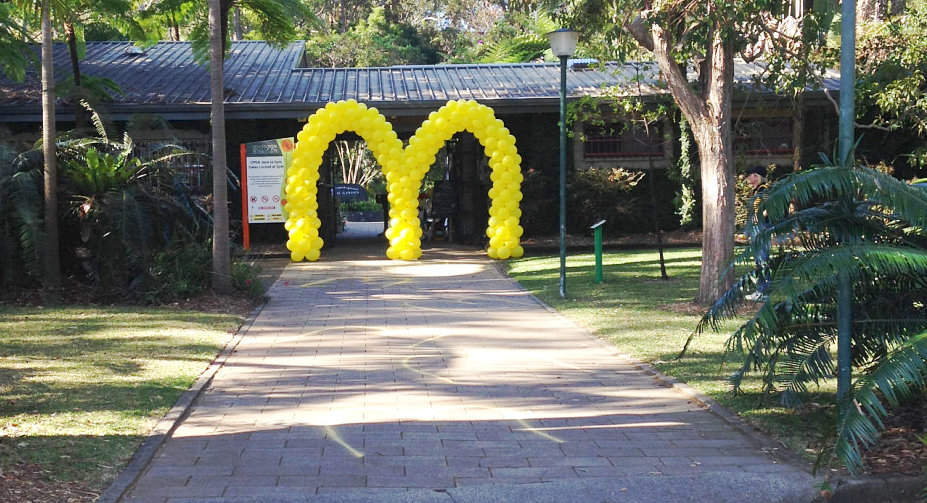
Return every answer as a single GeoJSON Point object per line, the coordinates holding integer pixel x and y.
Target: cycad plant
{"type": "Point", "coordinates": [21, 224]}
{"type": "Point", "coordinates": [126, 205]}
{"type": "Point", "coordinates": [816, 224]}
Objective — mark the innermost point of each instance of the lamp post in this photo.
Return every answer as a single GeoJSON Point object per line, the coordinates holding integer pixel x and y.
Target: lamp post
{"type": "Point", "coordinates": [563, 44]}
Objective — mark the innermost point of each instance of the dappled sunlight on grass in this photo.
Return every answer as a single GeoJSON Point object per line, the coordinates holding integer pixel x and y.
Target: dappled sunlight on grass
{"type": "Point", "coordinates": [82, 386]}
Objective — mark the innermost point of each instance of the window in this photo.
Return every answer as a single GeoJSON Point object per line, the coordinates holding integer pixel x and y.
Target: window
{"type": "Point", "coordinates": [763, 136]}
{"type": "Point", "coordinates": [190, 170]}
{"type": "Point", "coordinates": [619, 140]}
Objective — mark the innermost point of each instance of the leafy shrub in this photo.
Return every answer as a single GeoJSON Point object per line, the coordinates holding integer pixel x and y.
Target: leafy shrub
{"type": "Point", "coordinates": [245, 279]}
{"type": "Point", "coordinates": [597, 194]}
{"type": "Point", "coordinates": [367, 205]}
{"type": "Point", "coordinates": [177, 272]}
{"type": "Point", "coordinates": [21, 229]}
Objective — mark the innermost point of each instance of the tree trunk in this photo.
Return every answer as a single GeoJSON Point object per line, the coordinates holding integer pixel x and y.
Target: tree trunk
{"type": "Point", "coordinates": [80, 115]}
{"type": "Point", "coordinates": [236, 28]}
{"type": "Point", "coordinates": [717, 172]}
{"type": "Point", "coordinates": [898, 8]}
{"type": "Point", "coordinates": [224, 6]}
{"type": "Point", "coordinates": [713, 136]}
{"type": "Point", "coordinates": [870, 10]}
{"type": "Point", "coordinates": [174, 28]}
{"type": "Point", "coordinates": [798, 131]}
{"type": "Point", "coordinates": [71, 38]}
{"type": "Point", "coordinates": [52, 266]}
{"type": "Point", "coordinates": [709, 116]}
{"type": "Point", "coordinates": [221, 261]}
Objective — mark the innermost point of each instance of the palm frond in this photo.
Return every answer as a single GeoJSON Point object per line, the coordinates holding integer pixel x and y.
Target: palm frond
{"type": "Point", "coordinates": [806, 187]}
{"type": "Point", "coordinates": [862, 411]}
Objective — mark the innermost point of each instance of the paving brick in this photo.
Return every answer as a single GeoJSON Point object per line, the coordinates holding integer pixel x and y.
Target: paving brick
{"type": "Point", "coordinates": [154, 490]}
{"type": "Point", "coordinates": [416, 481]}
{"type": "Point", "coordinates": [422, 389]}
{"type": "Point", "coordinates": [232, 480]}
{"type": "Point", "coordinates": [569, 461]}
{"type": "Point", "coordinates": [478, 481]}
{"type": "Point", "coordinates": [535, 471]}
{"type": "Point", "coordinates": [341, 480]}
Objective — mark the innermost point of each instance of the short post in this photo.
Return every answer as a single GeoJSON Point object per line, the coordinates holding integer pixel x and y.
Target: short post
{"type": "Point", "coordinates": [598, 250]}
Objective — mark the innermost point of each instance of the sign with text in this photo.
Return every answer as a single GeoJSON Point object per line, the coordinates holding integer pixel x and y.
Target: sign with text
{"type": "Point", "coordinates": [265, 166]}
{"type": "Point", "coordinates": [348, 192]}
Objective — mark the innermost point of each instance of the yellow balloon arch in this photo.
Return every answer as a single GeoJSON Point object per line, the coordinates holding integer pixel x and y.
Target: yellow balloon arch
{"type": "Point", "coordinates": [404, 169]}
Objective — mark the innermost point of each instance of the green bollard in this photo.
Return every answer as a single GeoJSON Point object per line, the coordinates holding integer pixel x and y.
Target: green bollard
{"type": "Point", "coordinates": [598, 250]}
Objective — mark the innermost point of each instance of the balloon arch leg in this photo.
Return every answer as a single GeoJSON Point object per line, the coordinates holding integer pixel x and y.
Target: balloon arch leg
{"type": "Point", "coordinates": [404, 169]}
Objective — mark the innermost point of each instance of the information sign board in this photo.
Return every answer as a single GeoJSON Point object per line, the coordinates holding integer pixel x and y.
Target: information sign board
{"type": "Point", "coordinates": [264, 179]}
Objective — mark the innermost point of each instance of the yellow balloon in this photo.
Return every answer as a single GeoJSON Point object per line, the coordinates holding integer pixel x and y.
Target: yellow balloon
{"type": "Point", "coordinates": [296, 256]}
{"type": "Point", "coordinates": [518, 252]}
{"type": "Point", "coordinates": [504, 252]}
{"type": "Point", "coordinates": [404, 170]}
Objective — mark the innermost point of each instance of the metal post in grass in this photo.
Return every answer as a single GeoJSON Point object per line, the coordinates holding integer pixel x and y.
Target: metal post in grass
{"type": "Point", "coordinates": [598, 250]}
{"type": "Point", "coordinates": [847, 124]}
{"type": "Point", "coordinates": [563, 44]}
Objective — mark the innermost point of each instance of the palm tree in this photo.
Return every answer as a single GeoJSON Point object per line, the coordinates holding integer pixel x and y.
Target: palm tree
{"type": "Point", "coordinates": [274, 21]}
{"type": "Point", "coordinates": [221, 260]}
{"type": "Point", "coordinates": [68, 15]}
{"type": "Point", "coordinates": [52, 265]}
{"type": "Point", "coordinates": [822, 223]}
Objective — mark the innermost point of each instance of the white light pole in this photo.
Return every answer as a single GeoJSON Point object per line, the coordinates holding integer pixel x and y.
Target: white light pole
{"type": "Point", "coordinates": [563, 44]}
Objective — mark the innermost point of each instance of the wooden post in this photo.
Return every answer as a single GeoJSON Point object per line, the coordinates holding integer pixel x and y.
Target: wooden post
{"type": "Point", "coordinates": [245, 230]}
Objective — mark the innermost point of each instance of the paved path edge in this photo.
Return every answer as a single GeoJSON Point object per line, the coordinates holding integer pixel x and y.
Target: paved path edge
{"type": "Point", "coordinates": [777, 450]}
{"type": "Point", "coordinates": [170, 421]}
{"type": "Point", "coordinates": [884, 488]}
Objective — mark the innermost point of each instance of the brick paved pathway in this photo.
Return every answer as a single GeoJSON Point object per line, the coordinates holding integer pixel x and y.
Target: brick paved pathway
{"type": "Point", "coordinates": [374, 375]}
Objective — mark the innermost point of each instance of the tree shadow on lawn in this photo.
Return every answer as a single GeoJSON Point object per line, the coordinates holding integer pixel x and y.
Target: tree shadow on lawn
{"type": "Point", "coordinates": [806, 428]}
{"type": "Point", "coordinates": [93, 461]}
{"type": "Point", "coordinates": [35, 398]}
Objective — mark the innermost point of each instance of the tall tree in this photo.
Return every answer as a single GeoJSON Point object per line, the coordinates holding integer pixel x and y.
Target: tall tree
{"type": "Point", "coordinates": [69, 16]}
{"type": "Point", "coordinates": [221, 260]}
{"type": "Point", "coordinates": [52, 265]}
{"type": "Point", "coordinates": [272, 20]}
{"type": "Point", "coordinates": [707, 35]}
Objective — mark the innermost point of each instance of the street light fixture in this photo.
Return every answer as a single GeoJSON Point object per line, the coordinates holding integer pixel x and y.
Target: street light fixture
{"type": "Point", "coordinates": [563, 45]}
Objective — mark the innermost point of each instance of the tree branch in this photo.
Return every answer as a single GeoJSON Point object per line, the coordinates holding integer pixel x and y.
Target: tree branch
{"type": "Point", "coordinates": [690, 103]}
{"type": "Point", "coordinates": [638, 29]}
{"type": "Point", "coordinates": [855, 124]}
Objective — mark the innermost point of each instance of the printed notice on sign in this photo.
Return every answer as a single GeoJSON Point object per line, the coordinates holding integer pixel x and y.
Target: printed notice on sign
{"type": "Point", "coordinates": [267, 162]}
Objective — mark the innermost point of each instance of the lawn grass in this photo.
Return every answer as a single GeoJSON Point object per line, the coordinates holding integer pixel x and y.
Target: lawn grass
{"type": "Point", "coordinates": [651, 319]}
{"type": "Point", "coordinates": [82, 386]}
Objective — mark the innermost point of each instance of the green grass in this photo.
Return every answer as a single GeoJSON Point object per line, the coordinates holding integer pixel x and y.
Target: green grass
{"type": "Point", "coordinates": [650, 319]}
{"type": "Point", "coordinates": [80, 387]}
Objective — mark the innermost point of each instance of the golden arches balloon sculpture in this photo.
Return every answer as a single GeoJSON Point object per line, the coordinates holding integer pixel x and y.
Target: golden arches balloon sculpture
{"type": "Point", "coordinates": [404, 169]}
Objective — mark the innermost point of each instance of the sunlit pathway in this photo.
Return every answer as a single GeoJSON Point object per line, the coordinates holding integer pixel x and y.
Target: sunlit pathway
{"type": "Point", "coordinates": [377, 376]}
